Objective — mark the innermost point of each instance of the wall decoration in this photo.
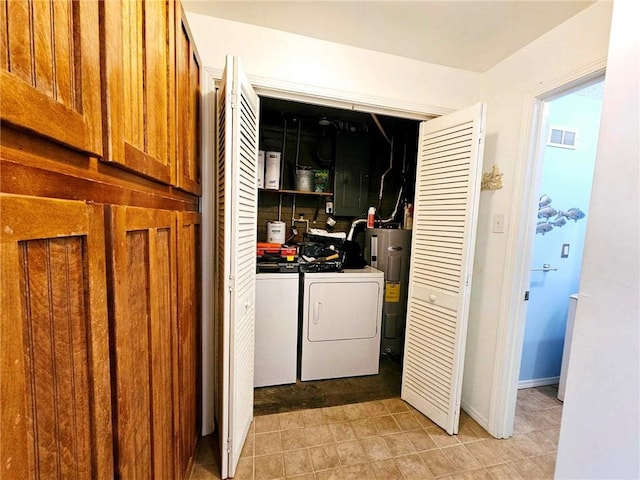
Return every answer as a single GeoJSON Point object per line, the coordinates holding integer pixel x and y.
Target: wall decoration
{"type": "Point", "coordinates": [546, 211]}
{"type": "Point", "coordinates": [492, 181]}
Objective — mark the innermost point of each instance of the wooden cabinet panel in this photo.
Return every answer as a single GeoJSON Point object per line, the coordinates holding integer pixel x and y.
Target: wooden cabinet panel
{"type": "Point", "coordinates": [142, 272]}
{"type": "Point", "coordinates": [50, 70]}
{"type": "Point", "coordinates": [54, 388]}
{"type": "Point", "coordinates": [186, 351]}
{"type": "Point", "coordinates": [188, 107]}
{"type": "Point", "coordinates": [139, 84]}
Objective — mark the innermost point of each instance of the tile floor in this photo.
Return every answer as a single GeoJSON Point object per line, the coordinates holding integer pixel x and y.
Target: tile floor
{"type": "Point", "coordinates": [388, 439]}
{"type": "Point", "coordinates": [329, 393]}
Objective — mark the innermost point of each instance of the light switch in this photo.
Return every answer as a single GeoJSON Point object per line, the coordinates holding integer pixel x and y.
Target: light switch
{"type": "Point", "coordinates": [498, 223]}
{"type": "Point", "coordinates": [565, 250]}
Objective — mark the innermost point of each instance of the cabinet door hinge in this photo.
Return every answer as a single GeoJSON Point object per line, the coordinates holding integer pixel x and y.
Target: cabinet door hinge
{"type": "Point", "coordinates": [468, 281]}
{"type": "Point", "coordinates": [228, 446]}
{"type": "Point", "coordinates": [234, 100]}
{"type": "Point", "coordinates": [231, 280]}
{"type": "Point", "coordinates": [526, 296]}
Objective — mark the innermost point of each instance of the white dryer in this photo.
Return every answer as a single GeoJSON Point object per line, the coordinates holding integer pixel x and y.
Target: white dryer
{"type": "Point", "coordinates": [341, 320]}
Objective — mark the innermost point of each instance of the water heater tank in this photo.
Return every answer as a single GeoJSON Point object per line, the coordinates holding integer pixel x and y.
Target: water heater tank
{"type": "Point", "coordinates": [389, 250]}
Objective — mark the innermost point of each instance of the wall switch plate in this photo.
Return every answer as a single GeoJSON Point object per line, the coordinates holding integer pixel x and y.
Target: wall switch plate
{"type": "Point", "coordinates": [498, 223]}
{"type": "Point", "coordinates": [328, 208]}
{"type": "Point", "coordinates": [565, 250]}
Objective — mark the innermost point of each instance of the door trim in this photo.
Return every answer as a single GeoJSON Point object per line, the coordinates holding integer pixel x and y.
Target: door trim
{"type": "Point", "coordinates": [518, 252]}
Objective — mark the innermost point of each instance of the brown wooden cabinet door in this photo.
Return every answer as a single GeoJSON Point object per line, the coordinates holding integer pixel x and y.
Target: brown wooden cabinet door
{"type": "Point", "coordinates": [141, 276]}
{"type": "Point", "coordinates": [187, 354]}
{"type": "Point", "coordinates": [55, 399]}
{"type": "Point", "coordinates": [139, 85]}
{"type": "Point", "coordinates": [188, 107]}
{"type": "Point", "coordinates": [50, 70]}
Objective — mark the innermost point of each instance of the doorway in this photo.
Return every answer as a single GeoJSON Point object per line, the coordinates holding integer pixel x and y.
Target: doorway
{"type": "Point", "coordinates": [567, 150]}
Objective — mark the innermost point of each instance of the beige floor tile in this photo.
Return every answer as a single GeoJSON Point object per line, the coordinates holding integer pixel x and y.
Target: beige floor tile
{"type": "Point", "coordinates": [267, 443]}
{"type": "Point", "coordinates": [324, 457]}
{"type": "Point", "coordinates": [245, 469]}
{"type": "Point", "coordinates": [461, 458]}
{"type": "Point", "coordinates": [503, 471]}
{"type": "Point", "coordinates": [334, 414]}
{"type": "Point", "coordinates": [364, 428]}
{"type": "Point", "coordinates": [297, 462]}
{"type": "Point", "coordinates": [267, 423]}
{"type": "Point", "coordinates": [442, 438]}
{"type": "Point", "coordinates": [407, 421]}
{"type": "Point", "coordinates": [478, 430]}
{"type": "Point", "coordinates": [528, 446]}
{"type": "Point", "coordinates": [553, 416]}
{"type": "Point", "coordinates": [351, 453]}
{"type": "Point", "coordinates": [547, 439]}
{"type": "Point", "coordinates": [343, 440]}
{"type": "Point", "coordinates": [355, 411]}
{"type": "Point", "coordinates": [505, 449]}
{"type": "Point", "coordinates": [269, 467]}
{"type": "Point", "coordinates": [306, 476]}
{"type": "Point", "coordinates": [387, 424]}
{"type": "Point", "coordinates": [546, 463]}
{"type": "Point", "coordinates": [248, 447]}
{"type": "Point", "coordinates": [424, 421]}
{"type": "Point", "coordinates": [483, 453]}
{"type": "Point", "coordinates": [421, 440]}
{"type": "Point", "coordinates": [319, 435]}
{"type": "Point", "coordinates": [398, 444]}
{"type": "Point", "coordinates": [375, 409]}
{"type": "Point", "coordinates": [375, 448]}
{"type": "Point", "coordinates": [466, 433]}
{"type": "Point", "coordinates": [412, 467]}
{"type": "Point", "coordinates": [293, 439]}
{"type": "Point", "coordinates": [354, 472]}
{"type": "Point", "coordinates": [313, 417]}
{"type": "Point", "coordinates": [528, 470]}
{"type": "Point", "coordinates": [478, 474]}
{"type": "Point", "coordinates": [342, 432]}
{"type": "Point", "coordinates": [386, 470]}
{"type": "Point", "coordinates": [291, 420]}
{"type": "Point", "coordinates": [437, 462]}
{"type": "Point", "coordinates": [396, 405]}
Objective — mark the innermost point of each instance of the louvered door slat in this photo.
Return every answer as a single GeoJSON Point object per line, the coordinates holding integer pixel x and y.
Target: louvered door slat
{"type": "Point", "coordinates": [447, 181]}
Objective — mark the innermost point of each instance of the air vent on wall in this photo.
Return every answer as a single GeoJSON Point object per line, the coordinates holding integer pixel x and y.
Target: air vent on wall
{"type": "Point", "coordinates": [562, 137]}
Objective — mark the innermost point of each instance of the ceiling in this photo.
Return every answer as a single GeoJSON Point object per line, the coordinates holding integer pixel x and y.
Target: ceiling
{"type": "Point", "coordinates": [472, 35]}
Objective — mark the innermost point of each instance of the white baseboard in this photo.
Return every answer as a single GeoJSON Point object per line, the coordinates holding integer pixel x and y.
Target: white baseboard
{"type": "Point", "coordinates": [538, 382]}
{"type": "Point", "coordinates": [473, 413]}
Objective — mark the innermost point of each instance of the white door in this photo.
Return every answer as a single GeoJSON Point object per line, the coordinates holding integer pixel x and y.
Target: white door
{"type": "Point", "coordinates": [445, 215]}
{"type": "Point", "coordinates": [236, 246]}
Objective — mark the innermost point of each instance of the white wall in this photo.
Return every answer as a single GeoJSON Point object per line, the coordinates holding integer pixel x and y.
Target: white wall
{"type": "Point", "coordinates": [600, 431]}
{"type": "Point", "coordinates": [318, 67]}
{"type": "Point", "coordinates": [310, 66]}
{"type": "Point", "coordinates": [571, 47]}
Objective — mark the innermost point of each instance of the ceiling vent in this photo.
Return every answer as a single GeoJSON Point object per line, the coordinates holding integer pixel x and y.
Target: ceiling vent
{"type": "Point", "coordinates": [562, 137]}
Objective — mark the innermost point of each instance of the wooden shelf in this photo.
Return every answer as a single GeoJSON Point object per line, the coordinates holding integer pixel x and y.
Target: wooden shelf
{"type": "Point", "coordinates": [296, 192]}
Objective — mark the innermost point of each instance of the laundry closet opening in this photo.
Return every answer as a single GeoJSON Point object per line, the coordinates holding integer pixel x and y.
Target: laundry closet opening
{"type": "Point", "coordinates": [331, 283]}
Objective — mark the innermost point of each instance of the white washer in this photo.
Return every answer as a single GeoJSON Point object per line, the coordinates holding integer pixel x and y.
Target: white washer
{"type": "Point", "coordinates": [341, 320]}
{"type": "Point", "coordinates": [276, 334]}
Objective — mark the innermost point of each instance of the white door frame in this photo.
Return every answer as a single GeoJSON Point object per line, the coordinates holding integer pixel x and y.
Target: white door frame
{"type": "Point", "coordinates": [518, 255]}
{"type": "Point", "coordinates": [273, 88]}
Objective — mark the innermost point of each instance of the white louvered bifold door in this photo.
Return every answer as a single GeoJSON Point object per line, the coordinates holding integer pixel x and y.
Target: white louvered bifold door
{"type": "Point", "coordinates": [445, 211]}
{"type": "Point", "coordinates": [237, 215]}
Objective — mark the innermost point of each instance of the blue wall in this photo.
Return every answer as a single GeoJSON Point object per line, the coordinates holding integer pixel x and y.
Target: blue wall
{"type": "Point", "coordinates": [566, 178]}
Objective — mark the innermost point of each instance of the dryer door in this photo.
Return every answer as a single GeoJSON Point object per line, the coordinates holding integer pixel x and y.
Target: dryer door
{"type": "Point", "coordinates": [342, 311]}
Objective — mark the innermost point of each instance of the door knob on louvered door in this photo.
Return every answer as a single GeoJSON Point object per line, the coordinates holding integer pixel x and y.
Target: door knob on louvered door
{"type": "Point", "coordinates": [432, 298]}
